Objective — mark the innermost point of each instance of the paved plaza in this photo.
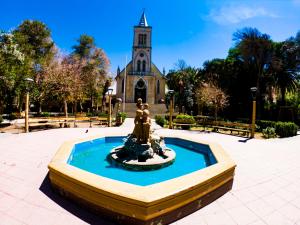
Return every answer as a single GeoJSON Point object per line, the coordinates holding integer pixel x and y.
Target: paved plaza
{"type": "Point", "coordinates": [266, 187]}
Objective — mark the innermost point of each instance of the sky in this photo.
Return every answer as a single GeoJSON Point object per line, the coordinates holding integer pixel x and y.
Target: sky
{"type": "Point", "coordinates": [192, 30]}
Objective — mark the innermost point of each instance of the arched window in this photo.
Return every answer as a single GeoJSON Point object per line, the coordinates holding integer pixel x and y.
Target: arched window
{"type": "Point", "coordinates": [144, 66]}
{"type": "Point", "coordinates": [158, 87]}
{"type": "Point", "coordinates": [123, 85]}
{"type": "Point", "coordinates": [138, 65]}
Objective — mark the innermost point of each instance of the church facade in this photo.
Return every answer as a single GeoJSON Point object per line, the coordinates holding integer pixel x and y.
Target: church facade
{"type": "Point", "coordinates": [141, 78]}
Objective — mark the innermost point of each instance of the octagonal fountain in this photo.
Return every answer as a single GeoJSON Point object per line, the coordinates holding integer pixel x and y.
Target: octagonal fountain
{"type": "Point", "coordinates": [141, 178]}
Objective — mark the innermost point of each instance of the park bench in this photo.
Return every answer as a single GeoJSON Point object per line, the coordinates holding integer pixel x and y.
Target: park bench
{"type": "Point", "coordinates": [242, 128]}
{"type": "Point", "coordinates": [180, 125]}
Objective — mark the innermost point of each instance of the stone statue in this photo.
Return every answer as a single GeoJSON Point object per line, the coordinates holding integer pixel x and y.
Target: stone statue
{"type": "Point", "coordinates": [138, 121]}
{"type": "Point", "coordinates": [140, 146]}
{"type": "Point", "coordinates": [146, 124]}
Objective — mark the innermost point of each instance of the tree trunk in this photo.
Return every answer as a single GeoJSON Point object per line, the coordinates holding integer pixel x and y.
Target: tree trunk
{"type": "Point", "coordinates": [283, 102]}
{"type": "Point", "coordinates": [66, 108]}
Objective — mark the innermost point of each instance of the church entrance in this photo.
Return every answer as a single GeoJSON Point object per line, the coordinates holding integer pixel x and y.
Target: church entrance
{"type": "Point", "coordinates": [140, 91]}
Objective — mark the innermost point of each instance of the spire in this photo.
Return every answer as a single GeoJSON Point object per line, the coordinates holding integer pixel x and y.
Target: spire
{"type": "Point", "coordinates": [143, 20]}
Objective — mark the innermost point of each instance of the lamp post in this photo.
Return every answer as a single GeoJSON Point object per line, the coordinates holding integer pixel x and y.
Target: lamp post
{"type": "Point", "coordinates": [171, 93]}
{"type": "Point", "coordinates": [253, 93]}
{"type": "Point", "coordinates": [27, 81]}
{"type": "Point", "coordinates": [181, 89]}
{"type": "Point", "coordinates": [109, 91]}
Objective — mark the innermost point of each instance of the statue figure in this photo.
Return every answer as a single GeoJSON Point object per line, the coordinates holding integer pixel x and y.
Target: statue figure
{"type": "Point", "coordinates": [138, 121]}
{"type": "Point", "coordinates": [140, 146]}
{"type": "Point", "coordinates": [146, 124]}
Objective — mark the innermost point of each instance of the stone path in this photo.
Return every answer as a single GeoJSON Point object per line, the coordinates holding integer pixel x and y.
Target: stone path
{"type": "Point", "coordinates": [266, 188]}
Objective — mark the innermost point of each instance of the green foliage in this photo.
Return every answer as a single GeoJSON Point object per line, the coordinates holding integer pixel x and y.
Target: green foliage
{"type": "Point", "coordinates": [45, 114]}
{"type": "Point", "coordinates": [1, 119]}
{"type": "Point", "coordinates": [95, 113]}
{"type": "Point", "coordinates": [184, 118]}
{"type": "Point", "coordinates": [269, 132]}
{"type": "Point", "coordinates": [263, 124]}
{"type": "Point", "coordinates": [13, 116]}
{"type": "Point", "coordinates": [160, 120]}
{"type": "Point", "coordinates": [123, 115]}
{"type": "Point", "coordinates": [286, 129]}
{"type": "Point", "coordinates": [85, 45]}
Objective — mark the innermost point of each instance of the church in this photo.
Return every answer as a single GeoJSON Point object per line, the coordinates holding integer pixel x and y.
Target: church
{"type": "Point", "coordinates": [141, 78]}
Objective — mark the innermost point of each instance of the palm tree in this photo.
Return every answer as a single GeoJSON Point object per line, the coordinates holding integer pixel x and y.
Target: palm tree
{"type": "Point", "coordinates": [256, 53]}
{"type": "Point", "coordinates": [284, 67]}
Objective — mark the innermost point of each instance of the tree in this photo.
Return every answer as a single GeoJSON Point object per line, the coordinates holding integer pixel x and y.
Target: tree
{"type": "Point", "coordinates": [256, 52]}
{"type": "Point", "coordinates": [11, 62]}
{"type": "Point", "coordinates": [95, 69]}
{"type": "Point", "coordinates": [284, 67]}
{"type": "Point", "coordinates": [211, 96]}
{"type": "Point", "coordinates": [34, 40]}
{"type": "Point", "coordinates": [63, 79]}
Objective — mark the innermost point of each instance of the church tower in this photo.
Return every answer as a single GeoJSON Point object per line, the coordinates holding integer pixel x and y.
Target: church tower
{"type": "Point", "coordinates": [141, 78]}
{"type": "Point", "coordinates": [141, 49]}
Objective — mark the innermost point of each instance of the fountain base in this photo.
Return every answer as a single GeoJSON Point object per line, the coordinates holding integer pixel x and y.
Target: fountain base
{"type": "Point", "coordinates": [119, 157]}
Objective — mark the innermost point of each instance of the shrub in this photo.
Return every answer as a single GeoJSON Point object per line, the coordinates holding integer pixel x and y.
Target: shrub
{"type": "Point", "coordinates": [95, 113]}
{"type": "Point", "coordinates": [13, 116]}
{"type": "Point", "coordinates": [123, 115]}
{"type": "Point", "coordinates": [45, 114]}
{"type": "Point", "coordinates": [263, 124]}
{"type": "Point", "coordinates": [269, 132]}
{"type": "Point", "coordinates": [286, 129]}
{"type": "Point", "coordinates": [160, 120]}
{"type": "Point", "coordinates": [1, 119]}
{"type": "Point", "coordinates": [183, 118]}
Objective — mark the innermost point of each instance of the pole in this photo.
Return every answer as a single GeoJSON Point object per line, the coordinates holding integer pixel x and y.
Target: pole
{"type": "Point", "coordinates": [171, 113]}
{"type": "Point", "coordinates": [26, 112]}
{"type": "Point", "coordinates": [109, 111]}
{"type": "Point", "coordinates": [124, 92]}
{"type": "Point", "coordinates": [253, 118]}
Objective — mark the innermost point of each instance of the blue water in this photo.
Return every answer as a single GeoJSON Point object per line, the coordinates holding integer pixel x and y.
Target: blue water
{"type": "Point", "coordinates": [91, 156]}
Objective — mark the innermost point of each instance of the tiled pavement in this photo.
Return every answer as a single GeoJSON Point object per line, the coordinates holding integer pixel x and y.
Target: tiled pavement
{"type": "Point", "coordinates": [266, 188]}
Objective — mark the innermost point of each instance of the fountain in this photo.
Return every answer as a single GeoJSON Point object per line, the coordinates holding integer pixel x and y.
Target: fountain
{"type": "Point", "coordinates": [135, 179]}
{"type": "Point", "coordinates": [142, 149]}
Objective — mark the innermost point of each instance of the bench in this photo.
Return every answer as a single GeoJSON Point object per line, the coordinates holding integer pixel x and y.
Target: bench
{"type": "Point", "coordinates": [245, 129]}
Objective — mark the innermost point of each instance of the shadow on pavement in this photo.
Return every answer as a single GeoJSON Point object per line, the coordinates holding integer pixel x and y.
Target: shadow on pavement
{"type": "Point", "coordinates": [72, 207]}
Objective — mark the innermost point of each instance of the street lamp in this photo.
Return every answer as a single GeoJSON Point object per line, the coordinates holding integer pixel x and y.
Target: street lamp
{"type": "Point", "coordinates": [27, 81]}
{"type": "Point", "coordinates": [181, 89]}
{"type": "Point", "coordinates": [253, 93]}
{"type": "Point", "coordinates": [109, 91]}
{"type": "Point", "coordinates": [171, 94]}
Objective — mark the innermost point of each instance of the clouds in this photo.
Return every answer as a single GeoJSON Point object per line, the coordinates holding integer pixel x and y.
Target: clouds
{"type": "Point", "coordinates": [236, 14]}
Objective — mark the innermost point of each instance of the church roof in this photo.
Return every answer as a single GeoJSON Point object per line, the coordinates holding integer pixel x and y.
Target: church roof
{"type": "Point", "coordinates": [143, 20]}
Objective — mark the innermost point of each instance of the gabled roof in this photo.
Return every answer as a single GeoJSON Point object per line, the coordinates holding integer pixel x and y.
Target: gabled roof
{"type": "Point", "coordinates": [143, 20]}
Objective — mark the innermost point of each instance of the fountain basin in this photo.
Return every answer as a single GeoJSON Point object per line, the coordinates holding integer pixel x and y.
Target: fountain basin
{"type": "Point", "coordinates": [155, 163]}
{"type": "Point", "coordinates": [132, 203]}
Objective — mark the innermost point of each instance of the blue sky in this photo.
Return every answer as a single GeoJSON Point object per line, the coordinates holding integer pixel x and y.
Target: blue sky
{"type": "Point", "coordinates": [193, 30]}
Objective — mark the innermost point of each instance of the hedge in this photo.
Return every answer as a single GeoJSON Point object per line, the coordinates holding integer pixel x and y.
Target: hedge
{"type": "Point", "coordinates": [263, 124]}
{"type": "Point", "coordinates": [286, 129]}
{"type": "Point", "coordinates": [160, 120]}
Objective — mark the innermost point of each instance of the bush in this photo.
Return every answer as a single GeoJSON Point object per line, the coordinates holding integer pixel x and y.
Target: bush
{"type": "Point", "coordinates": [160, 120]}
{"type": "Point", "coordinates": [286, 129]}
{"type": "Point", "coordinates": [183, 118]}
{"type": "Point", "coordinates": [100, 114]}
{"type": "Point", "coordinates": [1, 119]}
{"type": "Point", "coordinates": [263, 124]}
{"type": "Point", "coordinates": [123, 115]}
{"type": "Point", "coordinates": [13, 116]}
{"type": "Point", "coordinates": [44, 114]}
{"type": "Point", "coordinates": [269, 132]}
